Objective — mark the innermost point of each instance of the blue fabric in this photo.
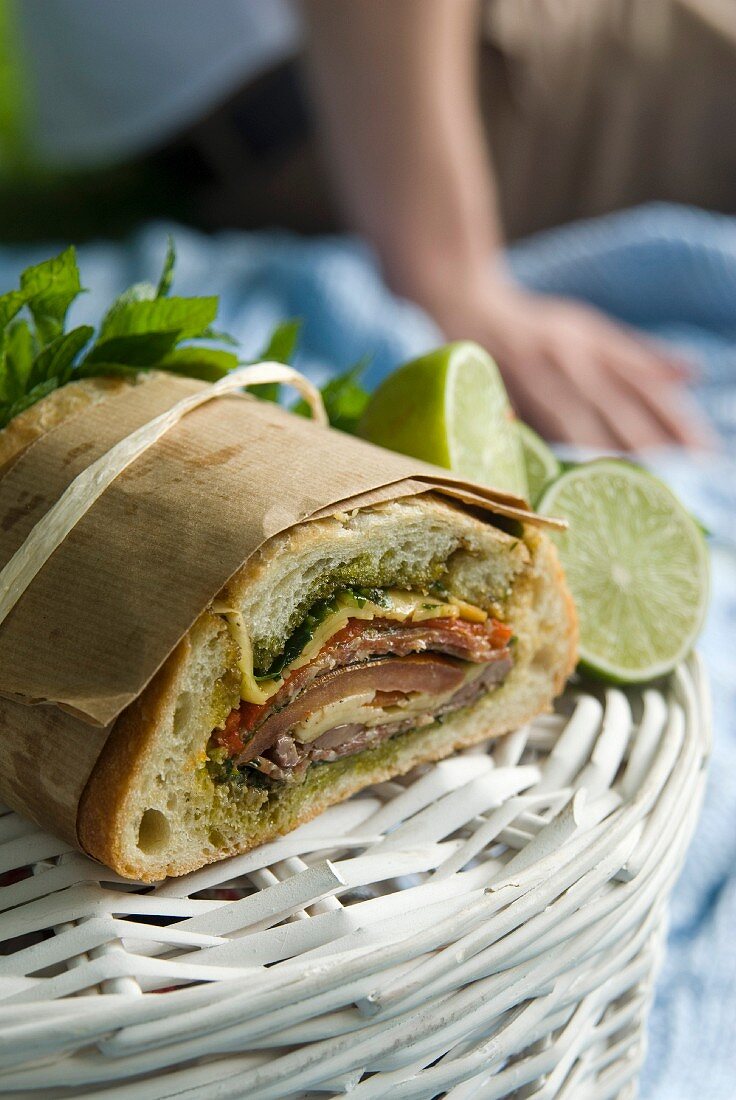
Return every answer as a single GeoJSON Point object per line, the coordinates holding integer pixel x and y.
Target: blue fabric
{"type": "Point", "coordinates": [668, 270]}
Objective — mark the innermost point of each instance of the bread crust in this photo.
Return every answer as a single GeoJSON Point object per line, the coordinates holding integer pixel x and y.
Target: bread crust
{"type": "Point", "coordinates": [52, 410]}
{"type": "Point", "coordinates": [108, 800]}
{"type": "Point", "coordinates": [120, 768]}
{"type": "Point", "coordinates": [108, 803]}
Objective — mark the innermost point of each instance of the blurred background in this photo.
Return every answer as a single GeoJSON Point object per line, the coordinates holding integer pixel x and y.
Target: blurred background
{"type": "Point", "coordinates": [555, 179]}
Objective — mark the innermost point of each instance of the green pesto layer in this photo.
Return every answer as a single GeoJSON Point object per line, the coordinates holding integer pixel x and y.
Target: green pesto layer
{"type": "Point", "coordinates": [364, 571]}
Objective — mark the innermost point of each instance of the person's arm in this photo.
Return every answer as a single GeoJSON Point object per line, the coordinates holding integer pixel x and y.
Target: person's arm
{"type": "Point", "coordinates": [393, 83]}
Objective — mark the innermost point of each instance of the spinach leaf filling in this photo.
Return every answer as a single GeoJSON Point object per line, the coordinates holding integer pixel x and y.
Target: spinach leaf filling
{"type": "Point", "coordinates": [318, 612]}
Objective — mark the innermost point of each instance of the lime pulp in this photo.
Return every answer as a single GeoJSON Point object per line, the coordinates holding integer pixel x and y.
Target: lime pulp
{"type": "Point", "coordinates": [450, 408]}
{"type": "Point", "coordinates": [637, 566]}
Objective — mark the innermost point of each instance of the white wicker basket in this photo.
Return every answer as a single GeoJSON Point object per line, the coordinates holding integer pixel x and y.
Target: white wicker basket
{"type": "Point", "coordinates": [486, 927]}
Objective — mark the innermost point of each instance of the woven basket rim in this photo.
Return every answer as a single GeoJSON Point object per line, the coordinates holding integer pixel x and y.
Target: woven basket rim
{"type": "Point", "coordinates": [490, 922]}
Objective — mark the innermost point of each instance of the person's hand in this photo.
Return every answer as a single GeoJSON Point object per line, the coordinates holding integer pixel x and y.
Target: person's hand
{"type": "Point", "coordinates": [574, 375]}
{"type": "Point", "coordinates": [394, 92]}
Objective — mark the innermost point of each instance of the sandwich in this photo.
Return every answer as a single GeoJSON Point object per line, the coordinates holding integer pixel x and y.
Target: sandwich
{"type": "Point", "coordinates": [346, 650]}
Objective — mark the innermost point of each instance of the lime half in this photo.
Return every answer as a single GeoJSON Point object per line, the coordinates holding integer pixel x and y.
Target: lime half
{"type": "Point", "coordinates": [637, 566]}
{"type": "Point", "coordinates": [450, 407]}
{"type": "Point", "coordinates": [541, 464]}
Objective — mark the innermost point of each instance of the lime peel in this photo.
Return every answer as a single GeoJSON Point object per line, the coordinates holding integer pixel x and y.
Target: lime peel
{"type": "Point", "coordinates": [542, 465]}
{"type": "Point", "coordinates": [637, 566]}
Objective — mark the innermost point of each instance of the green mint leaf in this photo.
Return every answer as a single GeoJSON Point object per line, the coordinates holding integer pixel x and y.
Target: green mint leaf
{"type": "Point", "coordinates": [106, 370]}
{"type": "Point", "coordinates": [20, 351]}
{"type": "Point", "coordinates": [267, 391]}
{"type": "Point", "coordinates": [222, 337]}
{"type": "Point", "coordinates": [282, 342]}
{"type": "Point", "coordinates": [50, 288]}
{"type": "Point", "coordinates": [56, 359]}
{"type": "Point", "coordinates": [167, 275]}
{"type": "Point", "coordinates": [10, 305]}
{"type": "Point", "coordinates": [7, 412]}
{"type": "Point", "coordinates": [280, 348]}
{"type": "Point", "coordinates": [141, 349]}
{"type": "Point", "coordinates": [344, 399]}
{"type": "Point", "coordinates": [189, 317]}
{"type": "Point", "coordinates": [209, 364]}
{"type": "Point", "coordinates": [138, 292]}
{"type": "Point", "coordinates": [140, 331]}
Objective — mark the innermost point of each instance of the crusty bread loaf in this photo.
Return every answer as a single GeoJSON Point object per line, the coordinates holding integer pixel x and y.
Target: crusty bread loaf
{"type": "Point", "coordinates": [150, 808]}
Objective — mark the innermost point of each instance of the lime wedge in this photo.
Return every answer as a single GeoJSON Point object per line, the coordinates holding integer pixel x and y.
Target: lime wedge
{"type": "Point", "coordinates": [450, 408]}
{"type": "Point", "coordinates": [541, 464]}
{"type": "Point", "coordinates": [637, 566]}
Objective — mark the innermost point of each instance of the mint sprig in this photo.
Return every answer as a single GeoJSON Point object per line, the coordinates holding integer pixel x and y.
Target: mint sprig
{"type": "Point", "coordinates": [144, 329]}
{"type": "Point", "coordinates": [279, 348]}
{"type": "Point", "coordinates": [344, 399]}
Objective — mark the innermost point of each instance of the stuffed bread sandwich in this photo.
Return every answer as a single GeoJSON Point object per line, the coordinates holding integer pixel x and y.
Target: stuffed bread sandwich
{"type": "Point", "coordinates": [346, 650]}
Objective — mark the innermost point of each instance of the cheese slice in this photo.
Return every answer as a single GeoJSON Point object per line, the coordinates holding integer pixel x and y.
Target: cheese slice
{"type": "Point", "coordinates": [398, 604]}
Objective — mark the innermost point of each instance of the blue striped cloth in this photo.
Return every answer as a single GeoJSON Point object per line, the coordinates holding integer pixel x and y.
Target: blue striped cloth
{"type": "Point", "coordinates": [672, 272]}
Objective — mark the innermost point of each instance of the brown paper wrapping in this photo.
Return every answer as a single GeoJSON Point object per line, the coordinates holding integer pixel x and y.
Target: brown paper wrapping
{"type": "Point", "coordinates": [123, 588]}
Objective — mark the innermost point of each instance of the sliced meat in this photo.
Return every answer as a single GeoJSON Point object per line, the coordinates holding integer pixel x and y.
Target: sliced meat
{"type": "Point", "coordinates": [360, 640]}
{"type": "Point", "coordinates": [365, 737]}
{"type": "Point", "coordinates": [493, 674]}
{"type": "Point", "coordinates": [285, 752]}
{"type": "Point", "coordinates": [339, 737]}
{"type": "Point", "coordinates": [383, 656]}
{"type": "Point", "coordinates": [353, 737]}
{"type": "Point", "coordinates": [430, 674]}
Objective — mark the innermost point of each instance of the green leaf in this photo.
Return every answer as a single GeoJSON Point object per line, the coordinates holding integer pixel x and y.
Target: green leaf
{"type": "Point", "coordinates": [189, 317]}
{"type": "Point", "coordinates": [222, 337]}
{"type": "Point", "coordinates": [50, 288]}
{"type": "Point", "coordinates": [167, 275]}
{"type": "Point", "coordinates": [7, 412]}
{"type": "Point", "coordinates": [10, 305]}
{"type": "Point", "coordinates": [20, 350]}
{"type": "Point", "coordinates": [55, 360]}
{"type": "Point", "coordinates": [106, 370]}
{"type": "Point", "coordinates": [142, 349]}
{"type": "Point", "coordinates": [209, 364]}
{"type": "Point", "coordinates": [282, 342]}
{"type": "Point", "coordinates": [344, 399]}
{"type": "Point", "coordinates": [138, 292]}
{"type": "Point", "coordinates": [266, 391]}
{"type": "Point", "coordinates": [279, 349]}
{"type": "Point", "coordinates": [140, 331]}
